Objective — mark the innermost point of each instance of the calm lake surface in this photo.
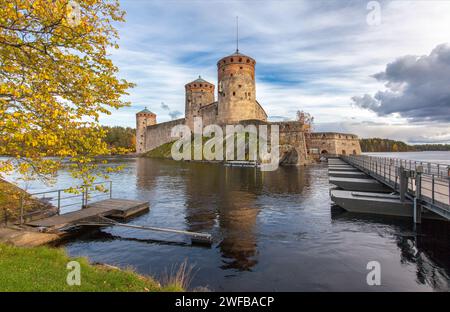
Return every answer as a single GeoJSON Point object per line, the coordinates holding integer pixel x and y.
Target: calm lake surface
{"type": "Point", "coordinates": [273, 231]}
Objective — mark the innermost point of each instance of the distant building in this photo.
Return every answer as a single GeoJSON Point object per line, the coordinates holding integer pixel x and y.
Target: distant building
{"type": "Point", "coordinates": [236, 104]}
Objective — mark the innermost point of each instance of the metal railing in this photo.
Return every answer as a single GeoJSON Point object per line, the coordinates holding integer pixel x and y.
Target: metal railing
{"type": "Point", "coordinates": [60, 199]}
{"type": "Point", "coordinates": [428, 182]}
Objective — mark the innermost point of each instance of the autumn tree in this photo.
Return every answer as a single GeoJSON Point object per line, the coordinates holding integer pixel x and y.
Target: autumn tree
{"type": "Point", "coordinates": [56, 78]}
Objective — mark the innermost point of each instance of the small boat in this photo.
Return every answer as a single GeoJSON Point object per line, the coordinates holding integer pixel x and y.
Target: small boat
{"type": "Point", "coordinates": [339, 162]}
{"type": "Point", "coordinates": [341, 168]}
{"type": "Point", "coordinates": [375, 203]}
{"type": "Point", "coordinates": [347, 174]}
{"type": "Point", "coordinates": [359, 184]}
{"type": "Point", "coordinates": [241, 163]}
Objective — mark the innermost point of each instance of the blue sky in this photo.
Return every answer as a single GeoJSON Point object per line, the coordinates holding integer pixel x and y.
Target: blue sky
{"type": "Point", "coordinates": [311, 55]}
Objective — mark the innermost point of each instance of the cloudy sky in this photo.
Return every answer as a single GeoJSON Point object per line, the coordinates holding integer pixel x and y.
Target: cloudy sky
{"type": "Point", "coordinates": [385, 75]}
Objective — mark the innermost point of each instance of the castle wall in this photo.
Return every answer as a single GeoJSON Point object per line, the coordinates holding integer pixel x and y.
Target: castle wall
{"type": "Point", "coordinates": [209, 114]}
{"type": "Point", "coordinates": [260, 112]}
{"type": "Point", "coordinates": [333, 143]}
{"type": "Point", "coordinates": [159, 134]}
{"type": "Point", "coordinates": [293, 148]}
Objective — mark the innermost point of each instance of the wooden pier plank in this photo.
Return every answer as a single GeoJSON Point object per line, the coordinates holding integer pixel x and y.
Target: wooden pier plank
{"type": "Point", "coordinates": [108, 207]}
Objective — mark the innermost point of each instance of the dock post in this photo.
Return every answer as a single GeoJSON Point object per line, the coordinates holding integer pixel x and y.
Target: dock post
{"type": "Point", "coordinates": [21, 209]}
{"type": "Point", "coordinates": [403, 183]}
{"type": "Point", "coordinates": [417, 206]}
{"type": "Point", "coordinates": [59, 201]}
{"type": "Point", "coordinates": [417, 211]}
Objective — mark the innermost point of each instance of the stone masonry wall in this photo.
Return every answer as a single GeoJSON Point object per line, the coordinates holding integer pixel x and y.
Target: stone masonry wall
{"type": "Point", "coordinates": [333, 143]}
{"type": "Point", "coordinates": [159, 134]}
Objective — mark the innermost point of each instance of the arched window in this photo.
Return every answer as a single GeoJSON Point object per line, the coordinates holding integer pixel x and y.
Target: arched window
{"type": "Point", "coordinates": [234, 93]}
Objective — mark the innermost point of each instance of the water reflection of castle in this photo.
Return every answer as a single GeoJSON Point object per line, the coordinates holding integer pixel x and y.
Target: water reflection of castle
{"type": "Point", "coordinates": [223, 200]}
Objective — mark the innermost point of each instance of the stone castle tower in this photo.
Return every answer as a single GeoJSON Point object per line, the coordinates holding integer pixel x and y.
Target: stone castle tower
{"type": "Point", "coordinates": [199, 93]}
{"type": "Point", "coordinates": [236, 89]}
{"type": "Point", "coordinates": [144, 118]}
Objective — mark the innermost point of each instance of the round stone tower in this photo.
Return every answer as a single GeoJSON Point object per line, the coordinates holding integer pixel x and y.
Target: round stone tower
{"type": "Point", "coordinates": [198, 93]}
{"type": "Point", "coordinates": [144, 118]}
{"type": "Point", "coordinates": [236, 89]}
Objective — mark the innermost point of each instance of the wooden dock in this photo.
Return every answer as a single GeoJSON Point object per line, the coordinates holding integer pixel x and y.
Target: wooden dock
{"type": "Point", "coordinates": [114, 208]}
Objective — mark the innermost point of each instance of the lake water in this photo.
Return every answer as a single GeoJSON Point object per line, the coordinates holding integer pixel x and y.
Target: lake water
{"type": "Point", "coordinates": [272, 231]}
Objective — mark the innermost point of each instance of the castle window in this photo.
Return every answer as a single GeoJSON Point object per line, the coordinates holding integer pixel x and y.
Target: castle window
{"type": "Point", "coordinates": [195, 85]}
{"type": "Point", "coordinates": [248, 61]}
{"type": "Point", "coordinates": [231, 75]}
{"type": "Point", "coordinates": [241, 67]}
{"type": "Point", "coordinates": [240, 86]}
{"type": "Point", "coordinates": [231, 59]}
{"type": "Point", "coordinates": [240, 60]}
{"type": "Point", "coordinates": [200, 85]}
{"type": "Point", "coordinates": [234, 93]}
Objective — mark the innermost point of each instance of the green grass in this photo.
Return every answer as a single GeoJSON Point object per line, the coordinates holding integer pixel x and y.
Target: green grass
{"type": "Point", "coordinates": [162, 151]}
{"type": "Point", "coordinates": [45, 269]}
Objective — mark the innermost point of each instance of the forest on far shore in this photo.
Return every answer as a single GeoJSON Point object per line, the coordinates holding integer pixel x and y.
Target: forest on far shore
{"type": "Point", "coordinates": [386, 145]}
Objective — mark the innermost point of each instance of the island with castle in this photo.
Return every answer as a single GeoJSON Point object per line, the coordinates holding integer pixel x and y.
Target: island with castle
{"type": "Point", "coordinates": [236, 104]}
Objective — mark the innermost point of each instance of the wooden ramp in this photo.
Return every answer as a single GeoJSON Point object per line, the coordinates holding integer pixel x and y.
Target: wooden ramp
{"type": "Point", "coordinates": [117, 208]}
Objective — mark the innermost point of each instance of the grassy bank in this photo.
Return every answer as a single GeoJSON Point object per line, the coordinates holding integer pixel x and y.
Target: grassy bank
{"type": "Point", "coordinates": [44, 269]}
{"type": "Point", "coordinates": [162, 151]}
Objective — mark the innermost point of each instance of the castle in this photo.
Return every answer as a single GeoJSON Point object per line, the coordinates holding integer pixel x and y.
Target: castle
{"type": "Point", "coordinates": [236, 104]}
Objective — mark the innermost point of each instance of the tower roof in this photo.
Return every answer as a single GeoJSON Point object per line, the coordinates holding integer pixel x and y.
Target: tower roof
{"type": "Point", "coordinates": [145, 111]}
{"type": "Point", "coordinates": [237, 57]}
{"type": "Point", "coordinates": [200, 80]}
